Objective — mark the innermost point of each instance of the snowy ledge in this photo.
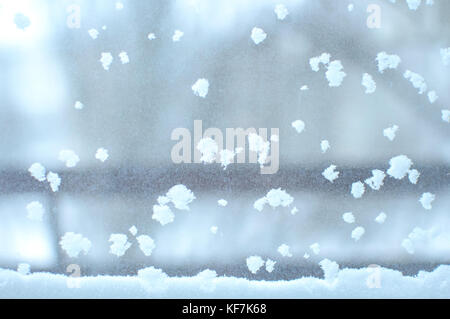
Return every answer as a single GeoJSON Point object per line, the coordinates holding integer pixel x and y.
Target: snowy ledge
{"type": "Point", "coordinates": [152, 283]}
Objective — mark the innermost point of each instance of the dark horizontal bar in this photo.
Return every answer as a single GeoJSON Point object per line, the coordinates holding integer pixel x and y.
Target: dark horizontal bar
{"type": "Point", "coordinates": [243, 177]}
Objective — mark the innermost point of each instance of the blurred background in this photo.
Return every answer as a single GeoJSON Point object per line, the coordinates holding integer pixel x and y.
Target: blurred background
{"type": "Point", "coordinates": [132, 109]}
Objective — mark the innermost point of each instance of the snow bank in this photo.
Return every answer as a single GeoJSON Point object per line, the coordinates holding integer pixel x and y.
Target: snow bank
{"type": "Point", "coordinates": [153, 283]}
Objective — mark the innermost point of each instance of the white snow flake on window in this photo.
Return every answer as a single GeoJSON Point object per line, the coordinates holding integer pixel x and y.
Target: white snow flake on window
{"type": "Point", "coordinates": [330, 269]}
{"type": "Point", "coordinates": [376, 181]}
{"type": "Point", "coordinates": [368, 83]}
{"type": "Point", "coordinates": [23, 269]}
{"type": "Point", "coordinates": [222, 202]}
{"type": "Point", "coordinates": [73, 244]}
{"type": "Point", "coordinates": [35, 211]}
{"type": "Point", "coordinates": [387, 61]}
{"type": "Point", "coordinates": [163, 200]}
{"type": "Point", "coordinates": [413, 176]}
{"type": "Point", "coordinates": [163, 214]}
{"type": "Point", "coordinates": [414, 4]}
{"type": "Point", "coordinates": [275, 198]}
{"type": "Point", "coordinates": [294, 211]}
{"type": "Point", "coordinates": [259, 204]}
{"type": "Point", "coordinates": [214, 229]}
{"type": "Point", "coordinates": [133, 230]}
{"type": "Point", "coordinates": [330, 173]}
{"type": "Point", "coordinates": [209, 149]}
{"type": "Point", "coordinates": [348, 218]}
{"type": "Point", "coordinates": [381, 218]}
{"type": "Point", "coordinates": [358, 189]}
{"type": "Point", "coordinates": [324, 146]}
{"type": "Point", "coordinates": [93, 33]}
{"type": "Point", "coordinates": [315, 248]}
{"type": "Point", "coordinates": [400, 166]}
{"type": "Point", "coordinates": [151, 36]}
{"type": "Point", "coordinates": [432, 96]}
{"type": "Point", "coordinates": [201, 87]}
{"type": "Point", "coordinates": [408, 245]}
{"type": "Point", "coordinates": [298, 125]}
{"type": "Point", "coordinates": [315, 62]}
{"type": "Point", "coordinates": [146, 244]}
{"type": "Point", "coordinates": [417, 81]}
{"type": "Point", "coordinates": [446, 115]}
{"type": "Point", "coordinates": [119, 5]}
{"type": "Point", "coordinates": [306, 256]}
{"type": "Point", "coordinates": [284, 250]}
{"type": "Point", "coordinates": [350, 7]}
{"type": "Point", "coordinates": [304, 88]}
{"type": "Point", "coordinates": [254, 263]}
{"type": "Point", "coordinates": [334, 74]}
{"type": "Point", "coordinates": [106, 60]}
{"type": "Point", "coordinates": [180, 196]}
{"type": "Point", "coordinates": [78, 105]}
{"type": "Point", "coordinates": [37, 171]}
{"type": "Point", "coordinates": [445, 55]}
{"type": "Point", "coordinates": [177, 35]}
{"type": "Point", "coordinates": [119, 244]}
{"type": "Point", "coordinates": [69, 157]}
{"type": "Point", "coordinates": [357, 233]}
{"type": "Point", "coordinates": [390, 132]}
{"type": "Point", "coordinates": [426, 200]}
{"type": "Point", "coordinates": [281, 11]}
{"type": "Point", "coordinates": [258, 35]}
{"type": "Point", "coordinates": [102, 154]}
{"type": "Point", "coordinates": [416, 236]}
{"type": "Point", "coordinates": [270, 265]}
{"type": "Point", "coordinates": [124, 57]}
{"type": "Point", "coordinates": [259, 145]}
{"type": "Point", "coordinates": [54, 181]}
